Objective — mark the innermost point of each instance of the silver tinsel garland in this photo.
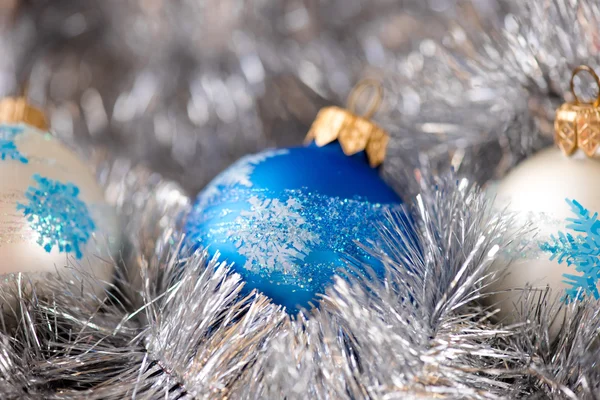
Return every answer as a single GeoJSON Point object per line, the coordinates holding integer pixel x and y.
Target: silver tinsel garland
{"type": "Point", "coordinates": [418, 334]}
{"type": "Point", "coordinates": [192, 336]}
{"type": "Point", "coordinates": [187, 87]}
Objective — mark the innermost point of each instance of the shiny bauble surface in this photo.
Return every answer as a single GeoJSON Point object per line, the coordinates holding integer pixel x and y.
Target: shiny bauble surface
{"type": "Point", "coordinates": [288, 218]}
{"type": "Point", "coordinates": [52, 210]}
{"type": "Point", "coordinates": [537, 190]}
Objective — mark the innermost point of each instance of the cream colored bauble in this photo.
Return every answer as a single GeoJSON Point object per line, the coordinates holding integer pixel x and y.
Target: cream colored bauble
{"type": "Point", "coordinates": [537, 191]}
{"type": "Point", "coordinates": [556, 191]}
{"type": "Point", "coordinates": [52, 210]}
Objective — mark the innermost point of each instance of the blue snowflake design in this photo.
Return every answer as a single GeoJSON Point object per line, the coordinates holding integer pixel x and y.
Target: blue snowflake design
{"type": "Point", "coordinates": [56, 213]}
{"type": "Point", "coordinates": [8, 148]}
{"type": "Point", "coordinates": [581, 251]}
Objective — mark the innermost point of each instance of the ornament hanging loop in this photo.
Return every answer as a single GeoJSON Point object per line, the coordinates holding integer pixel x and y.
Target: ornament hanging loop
{"type": "Point", "coordinates": [374, 100]}
{"type": "Point", "coordinates": [577, 124]}
{"type": "Point", "coordinates": [589, 70]}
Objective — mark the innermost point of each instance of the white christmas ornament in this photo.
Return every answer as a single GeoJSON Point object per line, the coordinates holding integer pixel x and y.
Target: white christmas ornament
{"type": "Point", "coordinates": [556, 192]}
{"type": "Point", "coordinates": [52, 210]}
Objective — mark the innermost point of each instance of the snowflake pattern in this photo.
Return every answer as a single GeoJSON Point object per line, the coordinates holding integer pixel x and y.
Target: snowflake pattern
{"type": "Point", "coordinates": [284, 236]}
{"type": "Point", "coordinates": [273, 235]}
{"type": "Point", "coordinates": [238, 174]}
{"type": "Point", "coordinates": [8, 148]}
{"type": "Point", "coordinates": [581, 252]}
{"type": "Point", "coordinates": [56, 213]}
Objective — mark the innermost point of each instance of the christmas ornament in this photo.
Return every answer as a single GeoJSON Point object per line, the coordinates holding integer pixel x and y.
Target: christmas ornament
{"type": "Point", "coordinates": [52, 210]}
{"type": "Point", "coordinates": [289, 218]}
{"type": "Point", "coordinates": [546, 189]}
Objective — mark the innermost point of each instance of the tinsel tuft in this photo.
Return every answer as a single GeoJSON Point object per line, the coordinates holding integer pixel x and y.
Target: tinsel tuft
{"type": "Point", "coordinates": [185, 331]}
{"type": "Point", "coordinates": [420, 333]}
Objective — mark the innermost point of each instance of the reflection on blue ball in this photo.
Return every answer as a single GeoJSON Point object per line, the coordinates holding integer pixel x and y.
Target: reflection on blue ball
{"type": "Point", "coordinates": [289, 218]}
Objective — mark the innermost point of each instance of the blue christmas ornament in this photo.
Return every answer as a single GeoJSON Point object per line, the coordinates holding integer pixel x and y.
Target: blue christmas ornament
{"type": "Point", "coordinates": [290, 218]}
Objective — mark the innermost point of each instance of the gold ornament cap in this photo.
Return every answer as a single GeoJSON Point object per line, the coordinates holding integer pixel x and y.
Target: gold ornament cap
{"type": "Point", "coordinates": [354, 133]}
{"type": "Point", "coordinates": [15, 110]}
{"type": "Point", "coordinates": [577, 124]}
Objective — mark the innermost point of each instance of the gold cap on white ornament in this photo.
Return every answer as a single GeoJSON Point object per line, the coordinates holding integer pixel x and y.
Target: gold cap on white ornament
{"type": "Point", "coordinates": [354, 133]}
{"type": "Point", "coordinates": [14, 110]}
{"type": "Point", "coordinates": [577, 124]}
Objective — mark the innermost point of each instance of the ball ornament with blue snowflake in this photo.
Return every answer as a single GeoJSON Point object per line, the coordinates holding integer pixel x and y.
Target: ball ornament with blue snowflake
{"type": "Point", "coordinates": [555, 192]}
{"type": "Point", "coordinates": [290, 219]}
{"type": "Point", "coordinates": [52, 210]}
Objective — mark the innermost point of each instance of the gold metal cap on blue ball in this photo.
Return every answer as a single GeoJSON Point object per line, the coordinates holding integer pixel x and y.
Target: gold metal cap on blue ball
{"type": "Point", "coordinates": [354, 133]}
{"type": "Point", "coordinates": [577, 124]}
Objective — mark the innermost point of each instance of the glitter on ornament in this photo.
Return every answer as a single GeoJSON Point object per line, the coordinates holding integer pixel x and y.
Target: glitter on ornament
{"type": "Point", "coordinates": [581, 251]}
{"type": "Point", "coordinates": [293, 237]}
{"type": "Point", "coordinates": [58, 215]}
{"type": "Point", "coordinates": [8, 148]}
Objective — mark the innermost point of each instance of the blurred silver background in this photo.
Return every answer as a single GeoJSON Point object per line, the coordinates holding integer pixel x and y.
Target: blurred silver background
{"type": "Point", "coordinates": [188, 87]}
